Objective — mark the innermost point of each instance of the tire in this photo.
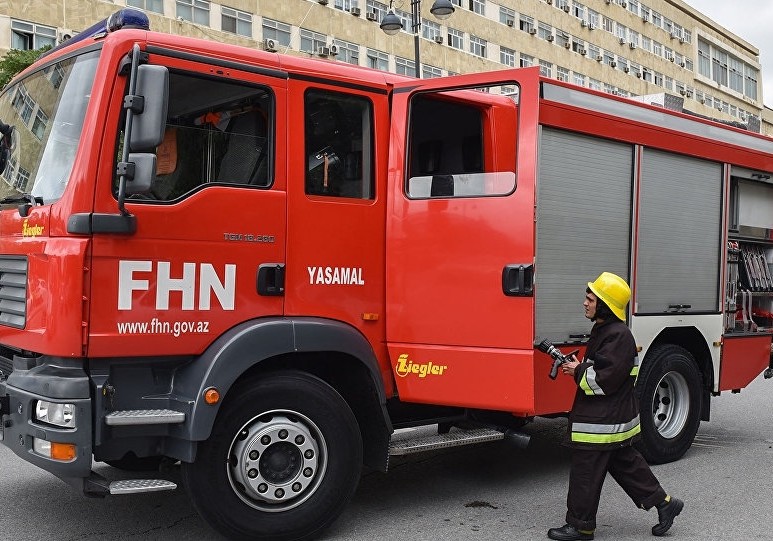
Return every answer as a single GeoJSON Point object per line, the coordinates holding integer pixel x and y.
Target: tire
{"type": "Point", "coordinates": [282, 461]}
{"type": "Point", "coordinates": [669, 392]}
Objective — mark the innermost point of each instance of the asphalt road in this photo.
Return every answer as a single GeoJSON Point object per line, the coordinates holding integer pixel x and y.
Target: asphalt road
{"type": "Point", "coordinates": [485, 492]}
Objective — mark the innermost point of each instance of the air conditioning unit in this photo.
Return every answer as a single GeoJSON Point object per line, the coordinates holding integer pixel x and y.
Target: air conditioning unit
{"type": "Point", "coordinates": [550, 37]}
{"type": "Point", "coordinates": [371, 16]}
{"type": "Point", "coordinates": [591, 26]}
{"type": "Point", "coordinates": [624, 4]}
{"type": "Point", "coordinates": [269, 45]}
{"type": "Point", "coordinates": [645, 18]}
{"type": "Point", "coordinates": [439, 40]}
{"type": "Point", "coordinates": [626, 69]}
{"type": "Point", "coordinates": [681, 64]}
{"type": "Point", "coordinates": [566, 8]}
{"type": "Point", "coordinates": [583, 23]}
{"type": "Point", "coordinates": [510, 22]}
{"type": "Point", "coordinates": [622, 41]}
{"type": "Point", "coordinates": [583, 52]}
{"type": "Point", "coordinates": [638, 74]}
{"type": "Point", "coordinates": [549, 2]}
{"type": "Point", "coordinates": [613, 64]}
{"type": "Point", "coordinates": [323, 50]}
{"type": "Point", "coordinates": [323, 2]}
{"type": "Point", "coordinates": [355, 11]}
{"type": "Point", "coordinates": [671, 58]}
{"type": "Point", "coordinates": [599, 58]}
{"type": "Point", "coordinates": [703, 100]}
{"type": "Point", "coordinates": [672, 35]}
{"type": "Point", "coordinates": [682, 41]}
{"type": "Point", "coordinates": [334, 50]}
{"type": "Point", "coordinates": [689, 94]}
{"type": "Point", "coordinates": [567, 45]}
{"type": "Point", "coordinates": [532, 31]}
{"type": "Point", "coordinates": [632, 45]}
{"type": "Point", "coordinates": [682, 92]}
{"type": "Point", "coordinates": [64, 35]}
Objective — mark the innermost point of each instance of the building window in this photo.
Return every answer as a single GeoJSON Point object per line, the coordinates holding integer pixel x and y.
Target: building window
{"type": "Point", "coordinates": [236, 22]}
{"type": "Point", "coordinates": [593, 18]}
{"type": "Point", "coordinates": [348, 52]}
{"type": "Point", "coordinates": [545, 68]}
{"type": "Point", "coordinates": [609, 24]}
{"type": "Point", "coordinates": [430, 30]}
{"type": "Point", "coordinates": [478, 46]}
{"type": "Point", "coordinates": [562, 74]}
{"type": "Point", "coordinates": [311, 41]}
{"type": "Point", "coordinates": [506, 16]}
{"type": "Point", "coordinates": [195, 11]}
{"type": "Point", "coordinates": [719, 66]}
{"type": "Point", "coordinates": [403, 66]}
{"type": "Point", "coordinates": [562, 39]}
{"type": "Point", "coordinates": [544, 31]}
{"type": "Point", "coordinates": [455, 38]}
{"type": "Point", "coordinates": [579, 79]}
{"type": "Point", "coordinates": [507, 56]}
{"type": "Point", "coordinates": [657, 48]}
{"type": "Point", "coordinates": [378, 60]}
{"type": "Point", "coordinates": [478, 6]}
{"type": "Point", "coordinates": [633, 6]}
{"type": "Point", "coordinates": [526, 61]}
{"type": "Point", "coordinates": [657, 19]}
{"type": "Point", "coordinates": [594, 84]}
{"type": "Point", "coordinates": [40, 123]}
{"type": "Point", "coordinates": [29, 36]}
{"type": "Point", "coordinates": [345, 5]}
{"type": "Point", "coordinates": [377, 8]}
{"type": "Point", "coordinates": [526, 23]}
{"type": "Point", "coordinates": [657, 78]}
{"type": "Point", "coordinates": [431, 72]}
{"type": "Point", "coordinates": [147, 5]}
{"type": "Point", "coordinates": [751, 76]}
{"type": "Point", "coordinates": [279, 32]}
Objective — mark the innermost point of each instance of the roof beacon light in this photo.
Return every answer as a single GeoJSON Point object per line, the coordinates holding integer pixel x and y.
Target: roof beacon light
{"type": "Point", "coordinates": [125, 18]}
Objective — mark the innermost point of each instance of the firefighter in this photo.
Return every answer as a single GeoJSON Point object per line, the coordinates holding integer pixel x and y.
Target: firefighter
{"type": "Point", "coordinates": [604, 421]}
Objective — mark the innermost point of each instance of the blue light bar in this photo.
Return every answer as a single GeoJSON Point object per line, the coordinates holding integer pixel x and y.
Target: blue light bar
{"type": "Point", "coordinates": [125, 18]}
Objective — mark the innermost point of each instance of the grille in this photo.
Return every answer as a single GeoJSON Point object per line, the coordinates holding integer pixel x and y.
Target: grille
{"type": "Point", "coordinates": [13, 291]}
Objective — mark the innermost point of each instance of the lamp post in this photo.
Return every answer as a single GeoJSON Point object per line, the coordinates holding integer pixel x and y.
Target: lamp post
{"type": "Point", "coordinates": [391, 23]}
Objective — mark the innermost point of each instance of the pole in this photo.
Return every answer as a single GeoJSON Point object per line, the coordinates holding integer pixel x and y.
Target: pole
{"type": "Point", "coordinates": [416, 16]}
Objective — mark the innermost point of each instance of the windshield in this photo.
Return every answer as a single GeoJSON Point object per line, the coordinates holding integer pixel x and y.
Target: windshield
{"type": "Point", "coordinates": [41, 119]}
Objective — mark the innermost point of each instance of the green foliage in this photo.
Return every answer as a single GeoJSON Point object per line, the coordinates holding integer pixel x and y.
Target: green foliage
{"type": "Point", "coordinates": [16, 60]}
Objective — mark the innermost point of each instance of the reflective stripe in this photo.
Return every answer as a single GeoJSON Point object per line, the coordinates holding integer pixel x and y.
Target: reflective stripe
{"type": "Point", "coordinates": [635, 369]}
{"type": "Point", "coordinates": [588, 383]}
{"type": "Point", "coordinates": [605, 438]}
{"type": "Point", "coordinates": [605, 433]}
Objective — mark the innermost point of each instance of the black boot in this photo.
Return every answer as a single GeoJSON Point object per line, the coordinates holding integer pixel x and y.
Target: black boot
{"type": "Point", "coordinates": [667, 511]}
{"type": "Point", "coordinates": [567, 532]}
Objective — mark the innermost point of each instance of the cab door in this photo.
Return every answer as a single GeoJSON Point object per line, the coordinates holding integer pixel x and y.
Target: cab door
{"type": "Point", "coordinates": [460, 240]}
{"type": "Point", "coordinates": [209, 245]}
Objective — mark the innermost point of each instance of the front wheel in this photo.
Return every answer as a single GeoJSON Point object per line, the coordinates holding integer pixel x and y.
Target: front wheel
{"type": "Point", "coordinates": [283, 460]}
{"type": "Point", "coordinates": [669, 392]}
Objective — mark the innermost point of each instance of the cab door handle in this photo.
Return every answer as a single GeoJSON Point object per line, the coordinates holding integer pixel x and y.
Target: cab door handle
{"type": "Point", "coordinates": [518, 280]}
{"type": "Point", "coordinates": [271, 279]}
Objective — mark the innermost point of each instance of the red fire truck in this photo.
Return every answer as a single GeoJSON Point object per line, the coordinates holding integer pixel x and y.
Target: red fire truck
{"type": "Point", "coordinates": [262, 266]}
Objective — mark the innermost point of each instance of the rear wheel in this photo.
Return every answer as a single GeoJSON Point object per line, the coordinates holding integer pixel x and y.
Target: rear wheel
{"type": "Point", "coordinates": [283, 460]}
{"type": "Point", "coordinates": [669, 391]}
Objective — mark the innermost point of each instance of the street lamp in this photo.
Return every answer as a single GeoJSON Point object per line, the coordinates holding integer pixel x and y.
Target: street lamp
{"type": "Point", "coordinates": [391, 23]}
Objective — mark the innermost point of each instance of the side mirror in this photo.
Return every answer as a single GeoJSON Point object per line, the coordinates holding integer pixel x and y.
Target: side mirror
{"type": "Point", "coordinates": [149, 120]}
{"type": "Point", "coordinates": [144, 164]}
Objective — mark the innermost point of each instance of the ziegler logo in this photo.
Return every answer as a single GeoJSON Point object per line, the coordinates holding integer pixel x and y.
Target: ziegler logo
{"type": "Point", "coordinates": [406, 366]}
{"type": "Point", "coordinates": [31, 230]}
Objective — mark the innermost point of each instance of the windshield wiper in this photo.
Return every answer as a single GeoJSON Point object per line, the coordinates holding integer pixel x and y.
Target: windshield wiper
{"type": "Point", "coordinates": [22, 198]}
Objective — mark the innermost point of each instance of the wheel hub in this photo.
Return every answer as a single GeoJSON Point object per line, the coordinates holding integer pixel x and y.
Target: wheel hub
{"type": "Point", "coordinates": [277, 461]}
{"type": "Point", "coordinates": [671, 404]}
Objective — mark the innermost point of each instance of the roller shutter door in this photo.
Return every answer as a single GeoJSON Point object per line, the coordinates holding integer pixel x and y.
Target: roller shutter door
{"type": "Point", "coordinates": [584, 194]}
{"type": "Point", "coordinates": [680, 220]}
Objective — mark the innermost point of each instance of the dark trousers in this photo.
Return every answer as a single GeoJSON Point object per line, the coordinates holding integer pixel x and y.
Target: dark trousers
{"type": "Point", "coordinates": [590, 467]}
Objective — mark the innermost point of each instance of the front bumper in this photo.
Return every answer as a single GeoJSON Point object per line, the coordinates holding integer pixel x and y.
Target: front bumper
{"type": "Point", "coordinates": [55, 380]}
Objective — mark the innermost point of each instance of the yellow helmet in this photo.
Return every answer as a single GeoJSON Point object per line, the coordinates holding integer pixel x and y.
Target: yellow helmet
{"type": "Point", "coordinates": [613, 290]}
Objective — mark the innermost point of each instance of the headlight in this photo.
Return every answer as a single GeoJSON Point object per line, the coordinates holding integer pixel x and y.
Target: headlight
{"type": "Point", "coordinates": [55, 413]}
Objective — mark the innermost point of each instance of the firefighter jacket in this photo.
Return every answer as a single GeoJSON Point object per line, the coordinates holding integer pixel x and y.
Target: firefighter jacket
{"type": "Point", "coordinates": [605, 414]}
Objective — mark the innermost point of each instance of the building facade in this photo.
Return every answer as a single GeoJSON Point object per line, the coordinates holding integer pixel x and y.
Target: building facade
{"type": "Point", "coordinates": [627, 47]}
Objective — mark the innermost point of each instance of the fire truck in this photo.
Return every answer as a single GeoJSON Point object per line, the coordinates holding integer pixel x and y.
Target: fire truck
{"type": "Point", "coordinates": [263, 267]}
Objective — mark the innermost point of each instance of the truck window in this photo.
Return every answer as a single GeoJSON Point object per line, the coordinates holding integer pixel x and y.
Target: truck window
{"type": "Point", "coordinates": [218, 132]}
{"type": "Point", "coordinates": [452, 148]}
{"type": "Point", "coordinates": [339, 139]}
{"type": "Point", "coordinates": [41, 119]}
